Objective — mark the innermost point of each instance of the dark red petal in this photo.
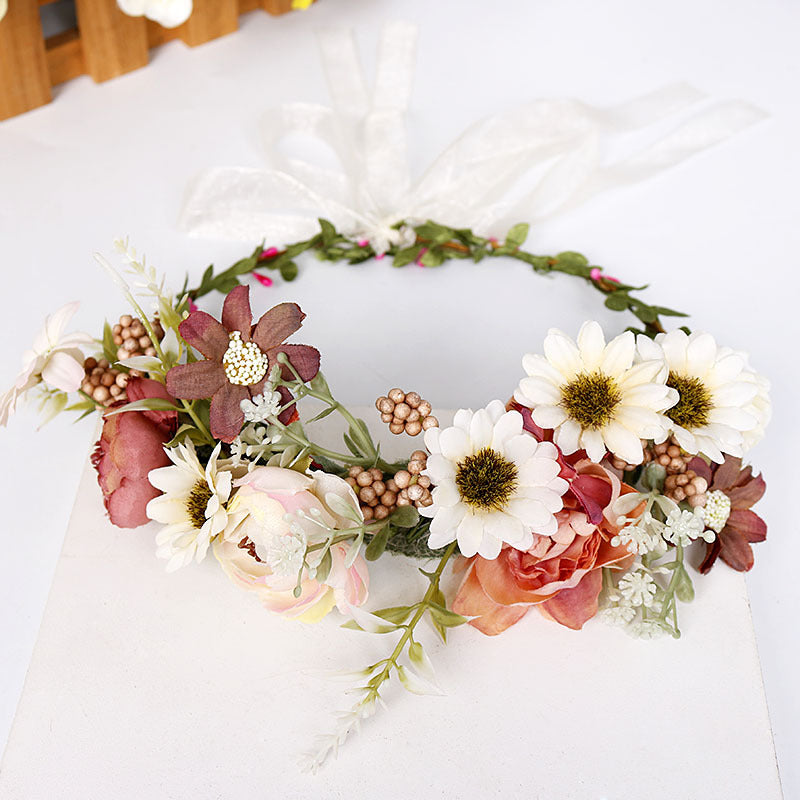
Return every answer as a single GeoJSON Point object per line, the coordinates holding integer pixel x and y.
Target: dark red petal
{"type": "Point", "coordinates": [593, 494]}
{"type": "Point", "coordinates": [236, 313]}
{"type": "Point", "coordinates": [227, 416]}
{"type": "Point", "coordinates": [205, 334]}
{"type": "Point", "coordinates": [747, 524]}
{"type": "Point", "coordinates": [747, 494]}
{"type": "Point", "coordinates": [573, 607]}
{"type": "Point", "coordinates": [197, 381]}
{"type": "Point", "coordinates": [277, 325]}
{"type": "Point", "coordinates": [712, 551]}
{"type": "Point", "coordinates": [127, 505]}
{"type": "Point", "coordinates": [735, 551]}
{"type": "Point", "coordinates": [145, 388]}
{"type": "Point", "coordinates": [701, 468]}
{"type": "Point", "coordinates": [303, 358]}
{"type": "Point", "coordinates": [727, 473]}
{"type": "Point", "coordinates": [289, 414]}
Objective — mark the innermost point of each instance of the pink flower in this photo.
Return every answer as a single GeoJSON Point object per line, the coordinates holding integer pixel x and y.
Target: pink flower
{"type": "Point", "coordinates": [560, 575]}
{"type": "Point", "coordinates": [131, 444]}
{"type": "Point", "coordinates": [263, 549]}
{"type": "Point", "coordinates": [218, 377]}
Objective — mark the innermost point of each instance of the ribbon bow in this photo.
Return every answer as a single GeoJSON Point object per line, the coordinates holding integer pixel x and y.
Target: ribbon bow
{"type": "Point", "coordinates": [530, 163]}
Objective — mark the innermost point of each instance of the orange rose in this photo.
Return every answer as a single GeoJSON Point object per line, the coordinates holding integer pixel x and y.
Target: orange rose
{"type": "Point", "coordinates": [559, 574]}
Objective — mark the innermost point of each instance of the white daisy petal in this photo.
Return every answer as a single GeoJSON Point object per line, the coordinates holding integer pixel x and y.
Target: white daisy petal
{"type": "Point", "coordinates": [592, 442]}
{"type": "Point", "coordinates": [507, 427]}
{"type": "Point", "coordinates": [701, 353]}
{"type": "Point", "coordinates": [470, 534]}
{"type": "Point", "coordinates": [618, 355]}
{"type": "Point", "coordinates": [455, 444]}
{"type": "Point", "coordinates": [562, 353]}
{"type": "Point", "coordinates": [623, 443]}
{"type": "Point", "coordinates": [591, 344]}
{"type": "Point", "coordinates": [480, 430]}
{"type": "Point", "coordinates": [549, 417]}
{"type": "Point", "coordinates": [536, 391]}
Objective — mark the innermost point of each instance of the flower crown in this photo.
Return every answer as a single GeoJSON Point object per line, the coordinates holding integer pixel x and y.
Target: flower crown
{"type": "Point", "coordinates": [579, 495]}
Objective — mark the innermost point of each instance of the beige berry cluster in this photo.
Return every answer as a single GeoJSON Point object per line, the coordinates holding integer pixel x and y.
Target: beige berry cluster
{"type": "Point", "coordinates": [132, 339]}
{"type": "Point", "coordinates": [688, 486]}
{"type": "Point", "coordinates": [669, 455]}
{"type": "Point", "coordinates": [104, 384]}
{"type": "Point", "coordinates": [406, 412]}
{"type": "Point", "coordinates": [378, 498]}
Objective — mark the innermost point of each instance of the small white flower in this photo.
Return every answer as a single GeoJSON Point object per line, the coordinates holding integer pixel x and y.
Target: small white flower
{"type": "Point", "coordinates": [638, 588]}
{"type": "Point", "coordinates": [382, 236]}
{"type": "Point", "coordinates": [285, 553]}
{"type": "Point", "coordinates": [723, 404]}
{"type": "Point", "coordinates": [262, 408]}
{"type": "Point", "coordinates": [594, 396]}
{"type": "Point", "coordinates": [493, 483]}
{"type": "Point", "coordinates": [192, 506]}
{"type": "Point", "coordinates": [619, 615]}
{"type": "Point", "coordinates": [167, 13]}
{"type": "Point", "coordinates": [716, 511]}
{"type": "Point", "coordinates": [55, 359]}
{"type": "Point", "coordinates": [641, 538]}
{"type": "Point", "coordinates": [3, 8]}
{"type": "Point", "coordinates": [646, 629]}
{"type": "Point", "coordinates": [683, 527]}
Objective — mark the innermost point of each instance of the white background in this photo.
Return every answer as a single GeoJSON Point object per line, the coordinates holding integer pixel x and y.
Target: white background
{"type": "Point", "coordinates": [717, 237]}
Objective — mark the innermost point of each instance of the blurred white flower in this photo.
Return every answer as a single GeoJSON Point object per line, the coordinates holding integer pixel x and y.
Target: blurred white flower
{"type": "Point", "coordinates": [167, 13]}
{"type": "Point", "coordinates": [3, 8]}
{"type": "Point", "coordinates": [54, 359]}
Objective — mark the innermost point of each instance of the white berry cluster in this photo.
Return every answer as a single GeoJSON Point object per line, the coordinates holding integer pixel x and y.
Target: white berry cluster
{"type": "Point", "coordinates": [717, 510]}
{"type": "Point", "coordinates": [244, 364]}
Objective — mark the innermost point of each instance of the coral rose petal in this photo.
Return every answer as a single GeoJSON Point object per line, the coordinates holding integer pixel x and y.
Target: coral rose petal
{"type": "Point", "coordinates": [196, 381]}
{"type": "Point", "coordinates": [277, 325]}
{"type": "Point", "coordinates": [236, 313]}
{"type": "Point", "coordinates": [573, 607]}
{"type": "Point", "coordinates": [227, 416]}
{"type": "Point", "coordinates": [204, 333]}
{"type": "Point", "coordinates": [491, 618]}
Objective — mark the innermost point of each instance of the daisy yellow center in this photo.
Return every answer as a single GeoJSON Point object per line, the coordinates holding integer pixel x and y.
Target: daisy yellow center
{"type": "Point", "coordinates": [694, 404]}
{"type": "Point", "coordinates": [196, 503]}
{"type": "Point", "coordinates": [590, 399]}
{"type": "Point", "coordinates": [244, 362]}
{"type": "Point", "coordinates": [487, 480]}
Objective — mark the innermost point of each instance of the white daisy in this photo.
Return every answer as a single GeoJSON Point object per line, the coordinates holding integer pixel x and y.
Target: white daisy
{"type": "Point", "coordinates": [593, 396]}
{"type": "Point", "coordinates": [493, 483]}
{"type": "Point", "coordinates": [192, 507]}
{"type": "Point", "coordinates": [55, 359]}
{"type": "Point", "coordinates": [721, 400]}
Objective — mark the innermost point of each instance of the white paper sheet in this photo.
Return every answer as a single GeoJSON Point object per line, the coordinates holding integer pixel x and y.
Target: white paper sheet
{"type": "Point", "coordinates": [148, 685]}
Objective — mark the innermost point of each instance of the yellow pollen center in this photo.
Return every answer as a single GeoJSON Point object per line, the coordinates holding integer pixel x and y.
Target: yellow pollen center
{"type": "Point", "coordinates": [487, 480]}
{"type": "Point", "coordinates": [197, 502]}
{"type": "Point", "coordinates": [590, 399]}
{"type": "Point", "coordinates": [694, 404]}
{"type": "Point", "coordinates": [244, 363]}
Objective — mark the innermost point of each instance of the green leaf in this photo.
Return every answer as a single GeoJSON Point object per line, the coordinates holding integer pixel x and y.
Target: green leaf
{"type": "Point", "coordinates": [407, 255]}
{"type": "Point", "coordinates": [324, 568]}
{"type": "Point", "coordinates": [288, 271]}
{"type": "Point", "coordinates": [405, 517]}
{"type": "Point", "coordinates": [668, 312]}
{"type": "Point", "coordinates": [414, 683]}
{"type": "Point", "coordinates": [351, 446]}
{"type": "Point", "coordinates": [445, 617]}
{"type": "Point", "coordinates": [684, 590]}
{"type": "Point", "coordinates": [422, 664]}
{"type": "Point", "coordinates": [148, 404]}
{"type": "Point", "coordinates": [435, 233]}
{"type": "Point", "coordinates": [319, 384]}
{"type": "Point", "coordinates": [329, 234]}
{"type": "Point", "coordinates": [433, 258]}
{"type": "Point", "coordinates": [377, 545]}
{"type": "Point", "coordinates": [617, 301]}
{"type": "Point", "coordinates": [517, 235]}
{"type": "Point", "coordinates": [109, 347]}
{"type": "Point", "coordinates": [322, 414]}
{"type": "Point", "coordinates": [395, 614]}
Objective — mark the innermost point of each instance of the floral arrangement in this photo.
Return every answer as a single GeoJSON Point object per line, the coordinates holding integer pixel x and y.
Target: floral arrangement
{"type": "Point", "coordinates": [579, 492]}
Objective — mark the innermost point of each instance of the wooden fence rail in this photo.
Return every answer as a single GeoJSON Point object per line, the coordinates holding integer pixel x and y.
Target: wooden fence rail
{"type": "Point", "coordinates": [105, 43]}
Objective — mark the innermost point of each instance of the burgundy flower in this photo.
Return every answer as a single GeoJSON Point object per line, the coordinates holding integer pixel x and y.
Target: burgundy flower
{"type": "Point", "coordinates": [744, 527]}
{"type": "Point", "coordinates": [238, 359]}
{"type": "Point", "coordinates": [131, 444]}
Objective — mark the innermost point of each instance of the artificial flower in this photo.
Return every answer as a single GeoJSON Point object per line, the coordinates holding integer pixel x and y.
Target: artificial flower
{"type": "Point", "coordinates": [494, 483]}
{"type": "Point", "coordinates": [594, 396]}
{"type": "Point", "coordinates": [167, 13]}
{"type": "Point", "coordinates": [238, 358]}
{"type": "Point", "coordinates": [191, 504]}
{"type": "Point", "coordinates": [131, 444]}
{"type": "Point", "coordinates": [732, 492]}
{"type": "Point", "coordinates": [720, 398]}
{"type": "Point", "coordinates": [55, 359]}
{"type": "Point", "coordinates": [278, 512]}
{"type": "Point", "coordinates": [560, 575]}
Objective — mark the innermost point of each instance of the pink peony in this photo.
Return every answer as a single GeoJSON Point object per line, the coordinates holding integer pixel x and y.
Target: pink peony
{"type": "Point", "coordinates": [561, 575]}
{"type": "Point", "coordinates": [131, 444]}
{"type": "Point", "coordinates": [262, 552]}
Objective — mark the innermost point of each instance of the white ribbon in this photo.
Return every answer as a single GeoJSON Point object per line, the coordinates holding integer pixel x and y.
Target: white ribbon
{"type": "Point", "coordinates": [524, 165]}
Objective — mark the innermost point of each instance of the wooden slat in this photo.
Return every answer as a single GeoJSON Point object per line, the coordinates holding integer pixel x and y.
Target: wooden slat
{"type": "Point", "coordinates": [210, 19]}
{"type": "Point", "coordinates": [64, 56]}
{"type": "Point", "coordinates": [113, 42]}
{"type": "Point", "coordinates": [248, 5]}
{"type": "Point", "coordinates": [156, 35]}
{"type": "Point", "coordinates": [276, 7]}
{"type": "Point", "coordinates": [24, 82]}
